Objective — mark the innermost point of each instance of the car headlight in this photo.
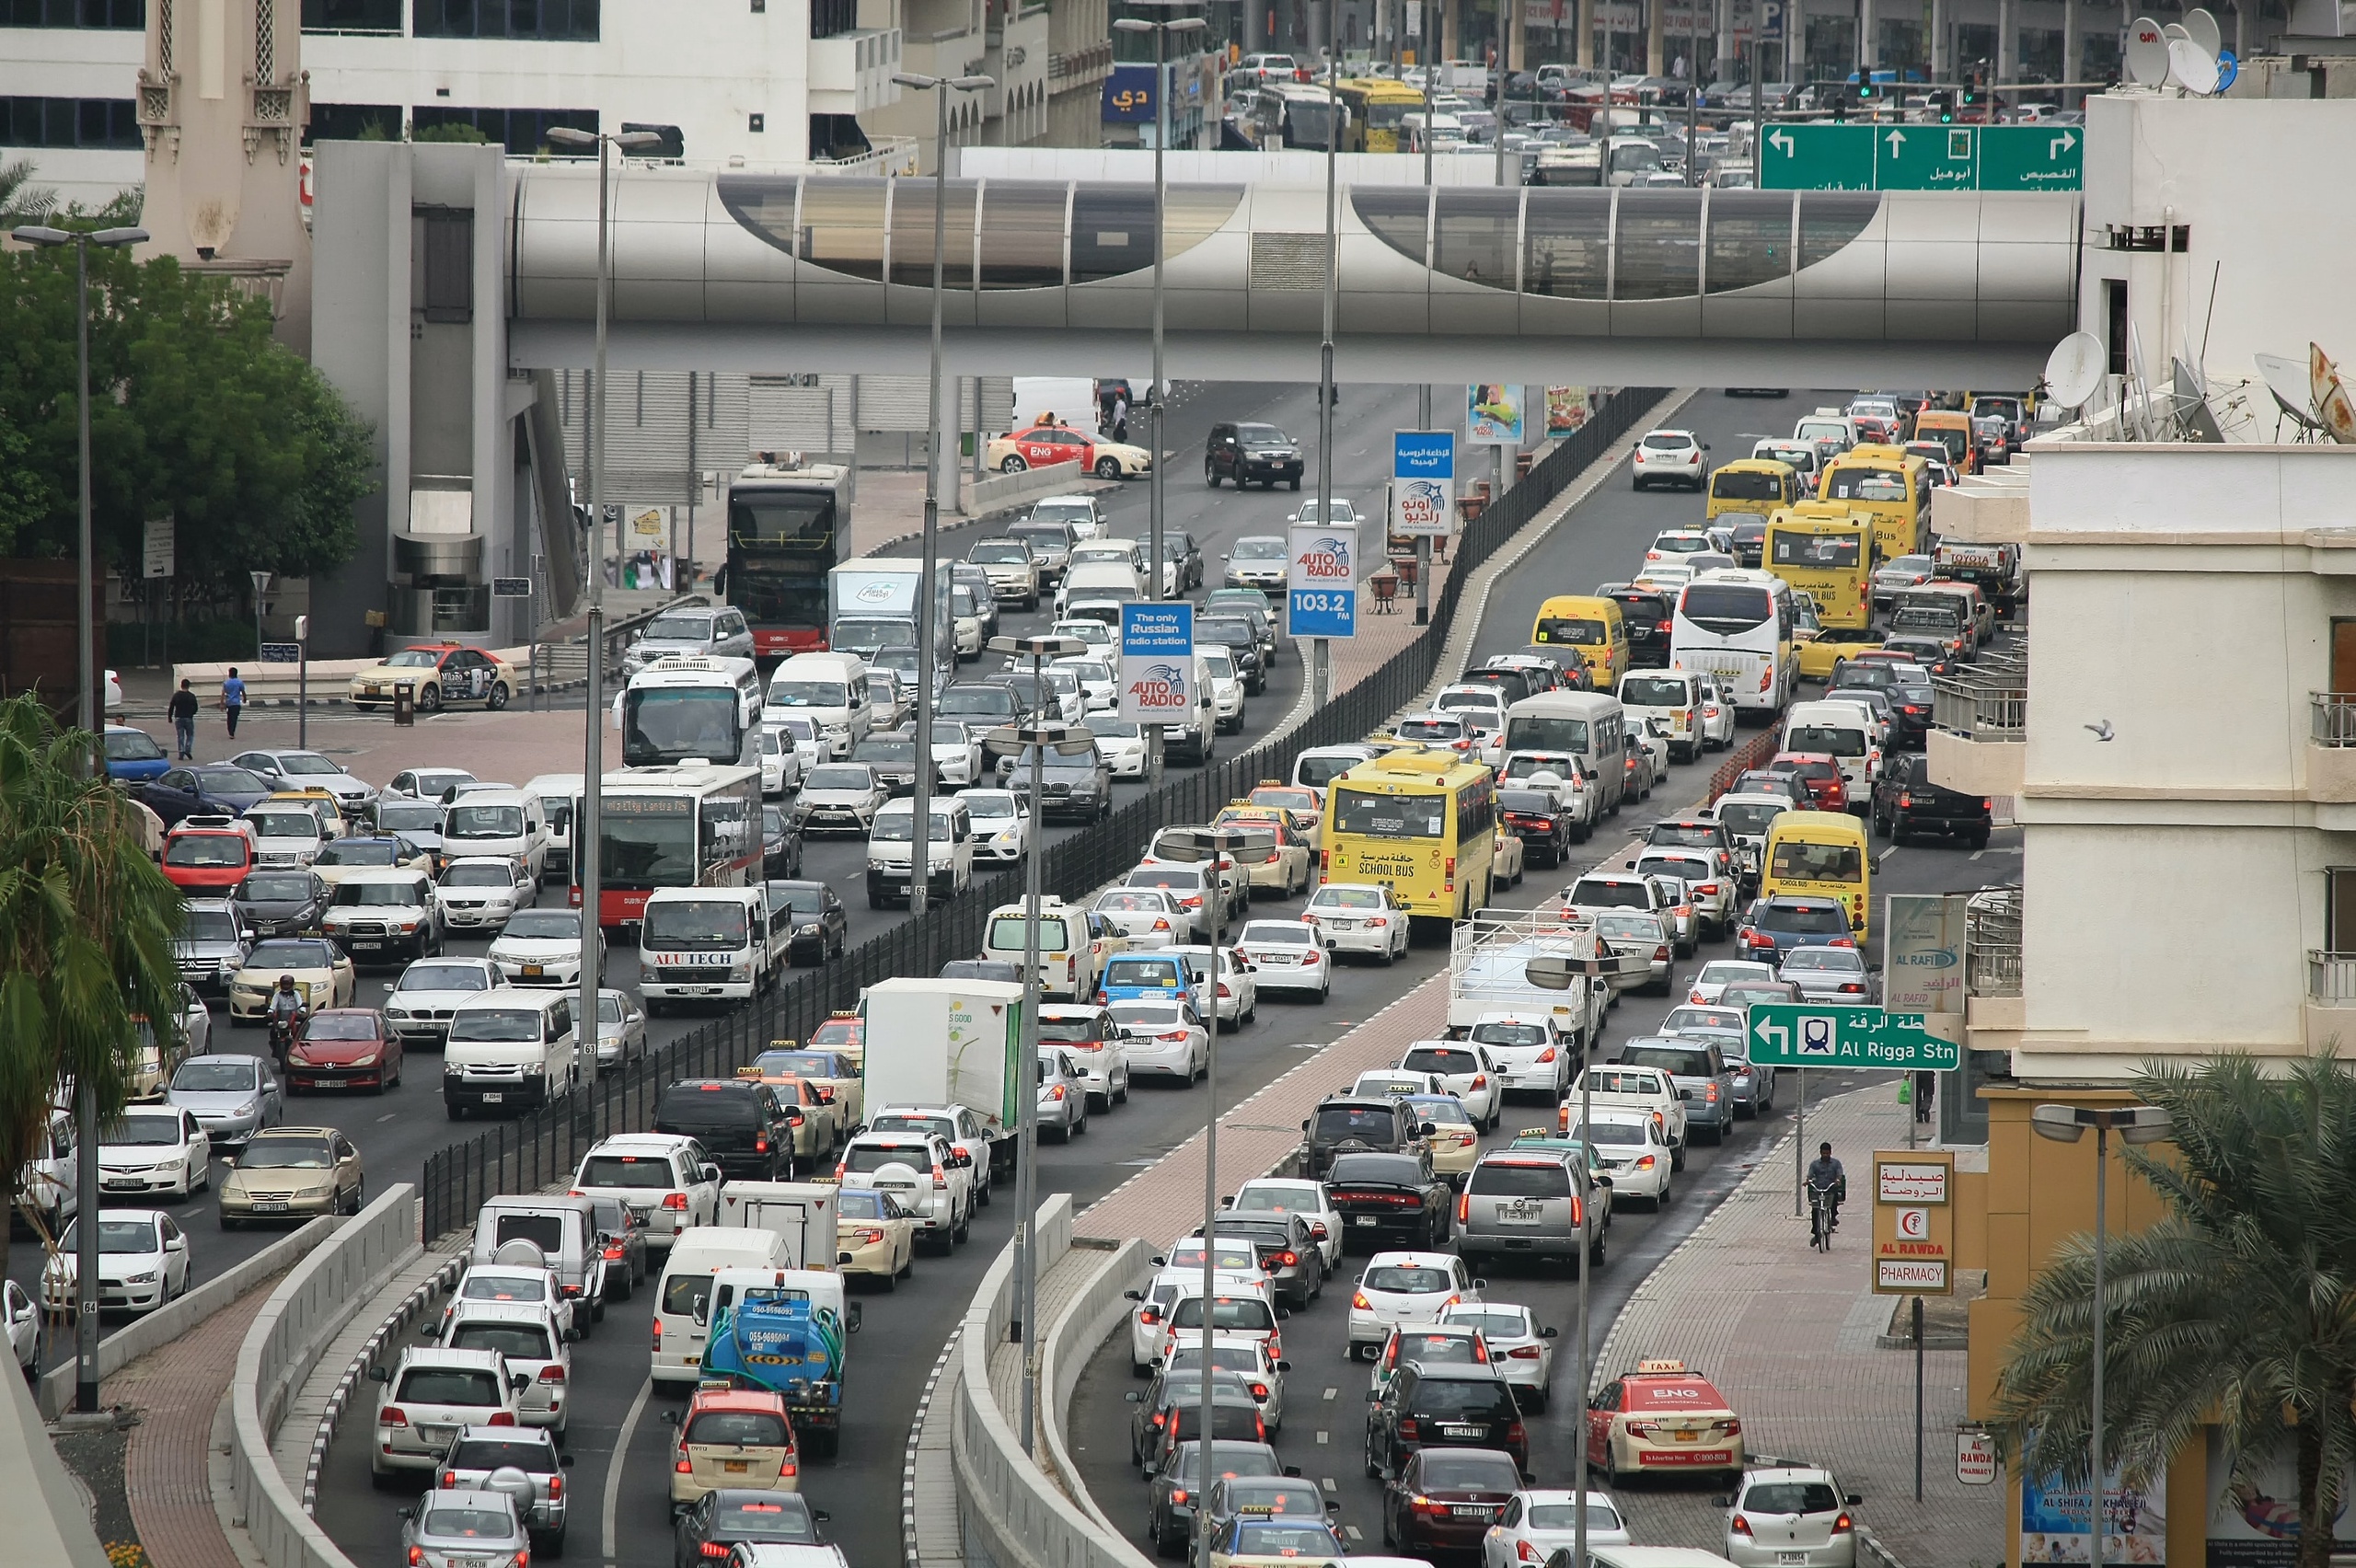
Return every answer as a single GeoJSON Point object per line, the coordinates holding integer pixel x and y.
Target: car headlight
{"type": "Point", "coordinates": [318, 1191]}
{"type": "Point", "coordinates": [809, 930]}
{"type": "Point", "coordinates": [648, 974]}
{"type": "Point", "coordinates": [367, 1061]}
{"type": "Point", "coordinates": [147, 1278]}
{"type": "Point", "coordinates": [250, 1108]}
{"type": "Point", "coordinates": [401, 1013]}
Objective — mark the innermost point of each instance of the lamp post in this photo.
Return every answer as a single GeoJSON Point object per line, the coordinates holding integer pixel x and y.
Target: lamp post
{"type": "Point", "coordinates": [1069, 740]}
{"type": "Point", "coordinates": [1320, 649]}
{"type": "Point", "coordinates": [2068, 1123]}
{"type": "Point", "coordinates": [588, 831]}
{"type": "Point", "coordinates": [1161, 30]}
{"type": "Point", "coordinates": [86, 1104]}
{"type": "Point", "coordinates": [927, 630]}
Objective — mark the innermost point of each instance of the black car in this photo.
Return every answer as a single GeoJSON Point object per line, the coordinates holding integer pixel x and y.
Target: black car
{"type": "Point", "coordinates": [1241, 641]}
{"type": "Point", "coordinates": [198, 791]}
{"type": "Point", "coordinates": [1750, 541]}
{"type": "Point", "coordinates": [1908, 695]}
{"type": "Point", "coordinates": [781, 843]}
{"type": "Point", "coordinates": [821, 923]}
{"type": "Point", "coordinates": [1079, 786]}
{"type": "Point", "coordinates": [1168, 1519]}
{"type": "Point", "coordinates": [1774, 925]}
{"type": "Point", "coordinates": [1450, 1407]}
{"type": "Point", "coordinates": [1646, 613]}
{"type": "Point", "coordinates": [1290, 1259]}
{"type": "Point", "coordinates": [1358, 1122]}
{"type": "Point", "coordinates": [985, 702]}
{"type": "Point", "coordinates": [742, 1124]}
{"type": "Point", "coordinates": [621, 1236]}
{"type": "Point", "coordinates": [282, 904]}
{"type": "Point", "coordinates": [1390, 1200]}
{"type": "Point", "coordinates": [722, 1519]}
{"type": "Point", "coordinates": [1930, 652]}
{"type": "Point", "coordinates": [1446, 1499]}
{"type": "Point", "coordinates": [1148, 1422]}
{"type": "Point", "coordinates": [1186, 552]}
{"type": "Point", "coordinates": [1543, 823]}
{"type": "Point", "coordinates": [1906, 801]}
{"type": "Point", "coordinates": [893, 757]}
{"type": "Point", "coordinates": [1249, 454]}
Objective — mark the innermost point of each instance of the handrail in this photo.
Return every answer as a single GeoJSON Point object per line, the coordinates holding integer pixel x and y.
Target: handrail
{"type": "Point", "coordinates": [2331, 978]}
{"type": "Point", "coordinates": [1992, 943]}
{"type": "Point", "coordinates": [1981, 710]}
{"type": "Point", "coordinates": [2331, 717]}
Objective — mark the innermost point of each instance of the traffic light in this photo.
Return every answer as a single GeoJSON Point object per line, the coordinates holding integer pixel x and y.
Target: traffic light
{"type": "Point", "coordinates": [1944, 102]}
{"type": "Point", "coordinates": [1840, 107]}
{"type": "Point", "coordinates": [1866, 91]}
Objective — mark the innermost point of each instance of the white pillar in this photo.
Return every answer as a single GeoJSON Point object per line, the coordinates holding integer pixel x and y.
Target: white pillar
{"type": "Point", "coordinates": [2007, 66]}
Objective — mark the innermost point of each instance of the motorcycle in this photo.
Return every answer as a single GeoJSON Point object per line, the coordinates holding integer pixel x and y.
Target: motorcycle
{"type": "Point", "coordinates": [282, 1036]}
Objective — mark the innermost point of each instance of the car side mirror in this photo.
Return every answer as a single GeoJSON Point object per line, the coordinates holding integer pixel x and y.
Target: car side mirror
{"type": "Point", "coordinates": [1601, 1181]}
{"type": "Point", "coordinates": [670, 1418]}
{"type": "Point", "coordinates": [822, 1516]}
{"type": "Point", "coordinates": [1284, 1312]}
{"type": "Point", "coordinates": [1480, 1285]}
{"type": "Point", "coordinates": [1284, 1366]}
{"type": "Point", "coordinates": [1228, 1202]}
{"type": "Point", "coordinates": [1425, 1129]}
{"type": "Point", "coordinates": [1133, 1397]}
{"type": "Point", "coordinates": [1133, 1296]}
{"type": "Point", "coordinates": [575, 1336]}
{"type": "Point", "coordinates": [405, 1514]}
{"type": "Point", "coordinates": [708, 1172]}
{"type": "Point", "coordinates": [1851, 1500]}
{"type": "Point", "coordinates": [1304, 1124]}
{"type": "Point", "coordinates": [564, 1461]}
{"type": "Point", "coordinates": [379, 1374]}
{"type": "Point", "coordinates": [1726, 1502]}
{"type": "Point", "coordinates": [1547, 1334]}
{"type": "Point", "coordinates": [1161, 1262]}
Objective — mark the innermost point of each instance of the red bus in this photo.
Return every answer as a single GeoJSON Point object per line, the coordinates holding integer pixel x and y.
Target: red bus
{"type": "Point", "coordinates": [694, 827]}
{"type": "Point", "coordinates": [787, 527]}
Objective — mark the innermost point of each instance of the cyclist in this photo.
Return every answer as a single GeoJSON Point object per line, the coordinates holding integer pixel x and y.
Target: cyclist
{"type": "Point", "coordinates": [1828, 1184]}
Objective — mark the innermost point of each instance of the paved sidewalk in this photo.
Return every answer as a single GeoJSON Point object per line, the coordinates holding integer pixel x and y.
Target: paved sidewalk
{"type": "Point", "coordinates": [176, 1391]}
{"type": "Point", "coordinates": [1789, 1337]}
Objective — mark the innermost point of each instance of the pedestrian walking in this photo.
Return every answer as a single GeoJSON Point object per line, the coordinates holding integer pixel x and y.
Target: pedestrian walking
{"type": "Point", "coordinates": [1120, 418]}
{"type": "Point", "coordinates": [232, 699]}
{"type": "Point", "coordinates": [182, 708]}
{"type": "Point", "coordinates": [1926, 1086]}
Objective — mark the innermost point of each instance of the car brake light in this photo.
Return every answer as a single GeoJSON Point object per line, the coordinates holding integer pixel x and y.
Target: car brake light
{"type": "Point", "coordinates": [788, 1470]}
{"type": "Point", "coordinates": [1645, 1162]}
{"type": "Point", "coordinates": [658, 1336]}
{"type": "Point", "coordinates": [556, 1487]}
{"type": "Point", "coordinates": [941, 1177]}
{"type": "Point", "coordinates": [1526, 1552]}
{"type": "Point", "coordinates": [552, 1373]}
{"type": "Point", "coordinates": [761, 1143]}
{"type": "Point", "coordinates": [1407, 1427]}
{"type": "Point", "coordinates": [713, 1549]}
{"type": "Point", "coordinates": [1516, 1432]}
{"type": "Point", "coordinates": [1149, 1317]}
{"type": "Point", "coordinates": [1851, 986]}
{"type": "Point", "coordinates": [1310, 957]}
{"type": "Point", "coordinates": [1741, 1526]}
{"type": "Point", "coordinates": [501, 1418]}
{"type": "Point", "coordinates": [683, 1466]}
{"type": "Point", "coordinates": [1844, 1525]}
{"type": "Point", "coordinates": [416, 1556]}
{"type": "Point", "coordinates": [1524, 1353]}
{"type": "Point", "coordinates": [449, 1477]}
{"type": "Point", "coordinates": [1259, 1390]}
{"type": "Point", "coordinates": [1178, 1495]}
{"type": "Point", "coordinates": [392, 1415]}
{"type": "Point", "coordinates": [1358, 1303]}
{"type": "Point", "coordinates": [613, 1254]}
{"type": "Point", "coordinates": [676, 1202]}
{"type": "Point", "coordinates": [1660, 952]}
{"type": "Point", "coordinates": [1841, 941]}
{"type": "Point", "coordinates": [1563, 1117]}
{"type": "Point", "coordinates": [1465, 1208]}
{"type": "Point", "coordinates": [1707, 887]}
{"type": "Point", "coordinates": [1378, 921]}
{"type": "Point", "coordinates": [1161, 924]}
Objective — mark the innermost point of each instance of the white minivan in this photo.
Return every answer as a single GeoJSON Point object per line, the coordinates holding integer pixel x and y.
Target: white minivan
{"type": "Point", "coordinates": [828, 687]}
{"type": "Point", "coordinates": [683, 1303]}
{"type": "Point", "coordinates": [949, 852]}
{"type": "Point", "coordinates": [1844, 731]}
{"type": "Point", "coordinates": [556, 792]}
{"type": "Point", "coordinates": [706, 944]}
{"type": "Point", "coordinates": [507, 1049]}
{"type": "Point", "coordinates": [1674, 696]}
{"type": "Point", "coordinates": [509, 823]}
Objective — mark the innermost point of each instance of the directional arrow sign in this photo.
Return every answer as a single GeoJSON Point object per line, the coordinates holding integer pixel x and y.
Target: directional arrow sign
{"type": "Point", "coordinates": [1796, 1034]}
{"type": "Point", "coordinates": [1926, 158]}
{"type": "Point", "coordinates": [1819, 157]}
{"type": "Point", "coordinates": [2031, 158]}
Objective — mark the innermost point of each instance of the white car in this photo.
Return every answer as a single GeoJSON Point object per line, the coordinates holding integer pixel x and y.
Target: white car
{"type": "Point", "coordinates": [1294, 1195]}
{"type": "Point", "coordinates": [921, 1173]}
{"type": "Point", "coordinates": [483, 891]}
{"type": "Point", "coordinates": [1791, 1517]}
{"type": "Point", "coordinates": [155, 1148]}
{"type": "Point", "coordinates": [1718, 716]}
{"type": "Point", "coordinates": [1071, 698]}
{"type": "Point", "coordinates": [1001, 823]}
{"type": "Point", "coordinates": [1227, 690]}
{"type": "Point", "coordinates": [840, 796]}
{"type": "Point", "coordinates": [1095, 633]}
{"type": "Point", "coordinates": [1465, 1069]}
{"type": "Point", "coordinates": [1636, 1091]}
{"type": "Point", "coordinates": [956, 753]}
{"type": "Point", "coordinates": [1163, 1040]}
{"type": "Point", "coordinates": [1150, 1323]}
{"type": "Point", "coordinates": [621, 1030]}
{"type": "Point", "coordinates": [1710, 983]}
{"type": "Point", "coordinates": [1063, 1095]}
{"type": "Point", "coordinates": [780, 762]}
{"type": "Point", "coordinates": [1672, 543]}
{"type": "Point", "coordinates": [1634, 1150]}
{"type": "Point", "coordinates": [1121, 742]}
{"type": "Point", "coordinates": [1535, 1525]}
{"type": "Point", "coordinates": [1148, 917]}
{"type": "Point", "coordinates": [1098, 689]}
{"type": "Point", "coordinates": [1233, 990]}
{"type": "Point", "coordinates": [802, 733]}
{"type": "Point", "coordinates": [143, 1261]}
{"type": "Point", "coordinates": [417, 1006]}
{"type": "Point", "coordinates": [1406, 1287]}
{"type": "Point", "coordinates": [1096, 1047]}
{"type": "Point", "coordinates": [1393, 1083]}
{"type": "Point", "coordinates": [665, 1178]}
{"type": "Point", "coordinates": [509, 1283]}
{"type": "Point", "coordinates": [1263, 1374]}
{"type": "Point", "coordinates": [1360, 917]}
{"type": "Point", "coordinates": [308, 770]}
{"type": "Point", "coordinates": [427, 783]}
{"type": "Point", "coordinates": [542, 947]}
{"type": "Point", "coordinates": [1521, 1351]}
{"type": "Point", "coordinates": [1286, 955]}
{"type": "Point", "coordinates": [956, 1125]}
{"type": "Point", "coordinates": [1484, 706]}
{"type": "Point", "coordinates": [1532, 1053]}
{"type": "Point", "coordinates": [1672, 457]}
{"type": "Point", "coordinates": [20, 1315]}
{"type": "Point", "coordinates": [1706, 892]}
{"type": "Point", "coordinates": [788, 1554]}
{"type": "Point", "coordinates": [284, 835]}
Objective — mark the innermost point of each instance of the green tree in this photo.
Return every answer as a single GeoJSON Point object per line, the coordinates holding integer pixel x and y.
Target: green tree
{"type": "Point", "coordinates": [197, 414]}
{"type": "Point", "coordinates": [86, 927]}
{"type": "Point", "coordinates": [2238, 1307]}
{"type": "Point", "coordinates": [22, 201]}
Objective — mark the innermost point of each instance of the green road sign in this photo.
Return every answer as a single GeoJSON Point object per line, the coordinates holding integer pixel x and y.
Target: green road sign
{"type": "Point", "coordinates": [1925, 157]}
{"type": "Point", "coordinates": [2032, 157]}
{"type": "Point", "coordinates": [1796, 1034]}
{"type": "Point", "coordinates": [1818, 157]}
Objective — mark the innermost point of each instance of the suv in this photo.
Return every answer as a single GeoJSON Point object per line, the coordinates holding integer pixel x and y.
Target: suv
{"type": "Point", "coordinates": [381, 915]}
{"type": "Point", "coordinates": [1906, 800]}
{"type": "Point", "coordinates": [431, 1395]}
{"type": "Point", "coordinates": [739, 1122]}
{"type": "Point", "coordinates": [1357, 1123]}
{"type": "Point", "coordinates": [1774, 925]}
{"type": "Point", "coordinates": [1247, 452]}
{"type": "Point", "coordinates": [666, 1181]}
{"type": "Point", "coordinates": [922, 1173]}
{"type": "Point", "coordinates": [1704, 1083]}
{"type": "Point", "coordinates": [1646, 613]}
{"type": "Point", "coordinates": [1079, 786]}
{"type": "Point", "coordinates": [477, 1451]}
{"type": "Point", "coordinates": [1445, 1407]}
{"type": "Point", "coordinates": [531, 1341]}
{"type": "Point", "coordinates": [712, 630]}
{"type": "Point", "coordinates": [1532, 1203]}
{"type": "Point", "coordinates": [213, 943]}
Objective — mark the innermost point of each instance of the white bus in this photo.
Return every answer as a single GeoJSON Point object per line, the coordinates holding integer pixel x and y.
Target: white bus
{"type": "Point", "coordinates": [689, 708]}
{"type": "Point", "coordinates": [1735, 626]}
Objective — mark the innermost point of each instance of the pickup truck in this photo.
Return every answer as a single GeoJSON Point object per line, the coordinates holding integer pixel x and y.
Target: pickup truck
{"type": "Point", "coordinates": [1488, 972]}
{"type": "Point", "coordinates": [1647, 1091]}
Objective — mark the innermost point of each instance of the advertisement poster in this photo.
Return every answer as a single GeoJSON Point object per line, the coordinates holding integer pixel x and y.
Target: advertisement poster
{"type": "Point", "coordinates": [2053, 1523]}
{"type": "Point", "coordinates": [1925, 952]}
{"type": "Point", "coordinates": [1423, 483]}
{"type": "Point", "coordinates": [1494, 414]}
{"type": "Point", "coordinates": [1567, 408]}
{"type": "Point", "coordinates": [1158, 662]}
{"type": "Point", "coordinates": [2255, 1523]}
{"type": "Point", "coordinates": [1322, 594]}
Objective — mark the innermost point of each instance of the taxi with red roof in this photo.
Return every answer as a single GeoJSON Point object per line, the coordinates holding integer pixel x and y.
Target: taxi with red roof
{"type": "Point", "coordinates": [1663, 1418]}
{"type": "Point", "coordinates": [738, 1438]}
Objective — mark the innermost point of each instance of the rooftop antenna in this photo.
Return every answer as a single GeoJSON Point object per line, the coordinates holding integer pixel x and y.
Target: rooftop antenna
{"type": "Point", "coordinates": [2287, 380]}
{"type": "Point", "coordinates": [2140, 382]}
{"type": "Point", "coordinates": [2147, 53]}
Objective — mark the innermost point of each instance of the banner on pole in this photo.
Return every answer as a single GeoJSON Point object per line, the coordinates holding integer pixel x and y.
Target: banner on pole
{"type": "Point", "coordinates": [1158, 662]}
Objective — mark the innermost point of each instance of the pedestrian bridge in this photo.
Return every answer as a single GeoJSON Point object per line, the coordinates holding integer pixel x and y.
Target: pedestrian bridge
{"type": "Point", "coordinates": [766, 273]}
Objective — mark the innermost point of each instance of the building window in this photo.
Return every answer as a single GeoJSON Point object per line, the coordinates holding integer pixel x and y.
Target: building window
{"type": "Point", "coordinates": [755, 124]}
{"type": "Point", "coordinates": [562, 21]}
{"type": "Point", "coordinates": [352, 15]}
{"type": "Point", "coordinates": [355, 122]}
{"type": "Point", "coordinates": [449, 236]}
{"type": "Point", "coordinates": [69, 123]}
{"type": "Point", "coordinates": [673, 143]}
{"type": "Point", "coordinates": [524, 131]}
{"type": "Point", "coordinates": [2114, 312]}
{"type": "Point", "coordinates": [128, 15]}
{"type": "Point", "coordinates": [2339, 911]}
{"type": "Point", "coordinates": [832, 18]}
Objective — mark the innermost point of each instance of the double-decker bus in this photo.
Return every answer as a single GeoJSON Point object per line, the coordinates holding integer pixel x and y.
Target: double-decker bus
{"type": "Point", "coordinates": [1736, 627]}
{"type": "Point", "coordinates": [693, 827]}
{"type": "Point", "coordinates": [1825, 550]}
{"type": "Point", "coordinates": [1422, 823]}
{"type": "Point", "coordinates": [787, 529]}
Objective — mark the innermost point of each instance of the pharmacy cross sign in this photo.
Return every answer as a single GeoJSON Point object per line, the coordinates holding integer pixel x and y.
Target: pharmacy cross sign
{"type": "Point", "coordinates": [1796, 1034]}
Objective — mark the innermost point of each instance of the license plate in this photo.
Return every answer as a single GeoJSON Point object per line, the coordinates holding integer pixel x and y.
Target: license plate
{"type": "Point", "coordinates": [1366, 1220]}
{"type": "Point", "coordinates": [737, 1467]}
{"type": "Point", "coordinates": [437, 1433]}
{"type": "Point", "coordinates": [270, 1205]}
{"type": "Point", "coordinates": [1685, 1436]}
{"type": "Point", "coordinates": [1798, 1559]}
{"type": "Point", "coordinates": [492, 1099]}
{"type": "Point", "coordinates": [1522, 1212]}
{"type": "Point", "coordinates": [1464, 1431]}
{"type": "Point", "coordinates": [1472, 1510]}
{"type": "Point", "coordinates": [532, 969]}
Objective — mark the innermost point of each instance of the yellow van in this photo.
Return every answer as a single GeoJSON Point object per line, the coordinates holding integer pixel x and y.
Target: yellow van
{"type": "Point", "coordinates": [1820, 855]}
{"type": "Point", "coordinates": [1590, 627]}
{"type": "Point", "coordinates": [1755, 485]}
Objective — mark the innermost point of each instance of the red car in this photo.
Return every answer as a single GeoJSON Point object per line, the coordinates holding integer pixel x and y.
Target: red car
{"type": "Point", "coordinates": [344, 1048]}
{"type": "Point", "coordinates": [1828, 792]}
{"type": "Point", "coordinates": [208, 860]}
{"type": "Point", "coordinates": [1446, 1499]}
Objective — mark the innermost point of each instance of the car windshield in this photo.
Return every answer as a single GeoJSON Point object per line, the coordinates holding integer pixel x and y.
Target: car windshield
{"type": "Point", "coordinates": [1147, 1017]}
{"type": "Point", "coordinates": [378, 895]}
{"type": "Point", "coordinates": [625, 1170]}
{"type": "Point", "coordinates": [409, 817]}
{"type": "Point", "coordinates": [269, 1153]}
{"type": "Point", "coordinates": [1258, 549]}
{"type": "Point", "coordinates": [799, 1064]}
{"type": "Point", "coordinates": [284, 825]}
{"type": "Point", "coordinates": [804, 898]}
{"type": "Point", "coordinates": [1409, 1279]}
{"type": "Point", "coordinates": [482, 874]}
{"type": "Point", "coordinates": [484, 822]}
{"type": "Point", "coordinates": [1817, 862]}
{"type": "Point", "coordinates": [359, 852]}
{"type": "Point", "coordinates": [209, 925]}
{"type": "Point", "coordinates": [517, 1341]}
{"type": "Point", "coordinates": [280, 887]}
{"type": "Point", "coordinates": [342, 1026]}
{"type": "Point", "coordinates": [470, 1524]}
{"type": "Point", "coordinates": [679, 628]}
{"type": "Point", "coordinates": [1442, 1059]}
{"type": "Point", "coordinates": [1520, 1179]}
{"type": "Point", "coordinates": [1465, 1471]}
{"type": "Point", "coordinates": [1256, 1199]}
{"type": "Point", "coordinates": [1847, 961]}
{"type": "Point", "coordinates": [285, 956]}
{"type": "Point", "coordinates": [1679, 1061]}
{"type": "Point", "coordinates": [1750, 818]}
{"type": "Point", "coordinates": [230, 781]}
{"type": "Point", "coordinates": [1225, 1254]}
{"type": "Point", "coordinates": [784, 1518]}
{"type": "Point", "coordinates": [132, 745]}
{"type": "Point", "coordinates": [1010, 552]}
{"type": "Point", "coordinates": [693, 924]}
{"type": "Point", "coordinates": [1244, 1314]}
{"type": "Point", "coordinates": [785, 693]}
{"type": "Point", "coordinates": [865, 1159]}
{"type": "Point", "coordinates": [494, 1453]}
{"type": "Point", "coordinates": [989, 806]}
{"type": "Point", "coordinates": [215, 1078]}
{"type": "Point", "coordinates": [432, 977]}
{"type": "Point", "coordinates": [841, 777]}
{"type": "Point", "coordinates": [1507, 1032]}
{"type": "Point", "coordinates": [144, 1128]}
{"type": "Point", "coordinates": [1790, 1497]}
{"type": "Point", "coordinates": [1565, 1517]}
{"type": "Point", "coordinates": [206, 850]}
{"type": "Point", "coordinates": [546, 925]}
{"type": "Point", "coordinates": [899, 827]}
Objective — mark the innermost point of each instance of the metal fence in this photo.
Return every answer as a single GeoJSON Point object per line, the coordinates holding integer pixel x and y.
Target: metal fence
{"type": "Point", "coordinates": [1980, 707]}
{"type": "Point", "coordinates": [1992, 943]}
{"type": "Point", "coordinates": [2331, 719]}
{"type": "Point", "coordinates": [546, 1146]}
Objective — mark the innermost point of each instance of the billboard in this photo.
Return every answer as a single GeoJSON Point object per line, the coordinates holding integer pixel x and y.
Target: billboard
{"type": "Point", "coordinates": [1495, 414]}
{"type": "Point", "coordinates": [1423, 483]}
{"type": "Point", "coordinates": [1158, 662]}
{"type": "Point", "coordinates": [1322, 580]}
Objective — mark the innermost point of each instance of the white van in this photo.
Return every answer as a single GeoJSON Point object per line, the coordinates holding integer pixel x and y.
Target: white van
{"type": "Point", "coordinates": [683, 1304]}
{"type": "Point", "coordinates": [1320, 766]}
{"type": "Point", "coordinates": [1846, 733]}
{"type": "Point", "coordinates": [556, 792]}
{"type": "Point", "coordinates": [891, 844]}
{"type": "Point", "coordinates": [1588, 724]}
{"type": "Point", "coordinates": [509, 1048]}
{"type": "Point", "coordinates": [1073, 946]}
{"type": "Point", "coordinates": [1197, 737]}
{"type": "Point", "coordinates": [1099, 580]}
{"type": "Point", "coordinates": [509, 823]}
{"type": "Point", "coordinates": [1674, 696]}
{"type": "Point", "coordinates": [828, 687]}
{"type": "Point", "coordinates": [708, 944]}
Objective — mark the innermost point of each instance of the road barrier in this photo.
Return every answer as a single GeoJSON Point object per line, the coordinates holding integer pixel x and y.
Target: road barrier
{"type": "Point", "coordinates": [546, 1145]}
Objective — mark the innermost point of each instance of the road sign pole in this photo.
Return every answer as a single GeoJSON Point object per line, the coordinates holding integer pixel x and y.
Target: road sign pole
{"type": "Point", "coordinates": [1799, 1149]}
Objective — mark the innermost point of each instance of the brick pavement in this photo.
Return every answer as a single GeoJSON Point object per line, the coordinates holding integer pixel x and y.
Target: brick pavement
{"type": "Point", "coordinates": [1789, 1337]}
{"type": "Point", "coordinates": [176, 1391]}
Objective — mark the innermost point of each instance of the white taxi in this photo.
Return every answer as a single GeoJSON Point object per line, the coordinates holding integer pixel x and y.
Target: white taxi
{"type": "Point", "coordinates": [1360, 917]}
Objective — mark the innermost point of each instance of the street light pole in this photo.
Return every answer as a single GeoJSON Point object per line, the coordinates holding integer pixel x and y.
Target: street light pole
{"type": "Point", "coordinates": [927, 630]}
{"type": "Point", "coordinates": [1320, 649]}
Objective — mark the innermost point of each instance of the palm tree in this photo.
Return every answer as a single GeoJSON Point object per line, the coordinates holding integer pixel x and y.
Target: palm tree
{"type": "Point", "coordinates": [86, 930]}
{"type": "Point", "coordinates": [2238, 1307]}
{"type": "Point", "coordinates": [22, 201]}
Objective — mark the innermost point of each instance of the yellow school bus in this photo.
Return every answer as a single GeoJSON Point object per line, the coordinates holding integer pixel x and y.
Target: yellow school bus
{"type": "Point", "coordinates": [1820, 855]}
{"type": "Point", "coordinates": [1891, 484]}
{"type": "Point", "coordinates": [1422, 823]}
{"type": "Point", "coordinates": [1825, 550]}
{"type": "Point", "coordinates": [1756, 485]}
{"type": "Point", "coordinates": [1589, 627]}
{"type": "Point", "coordinates": [1377, 106]}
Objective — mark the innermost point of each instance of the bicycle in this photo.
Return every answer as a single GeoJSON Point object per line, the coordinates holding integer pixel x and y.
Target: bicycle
{"type": "Point", "coordinates": [1823, 1212]}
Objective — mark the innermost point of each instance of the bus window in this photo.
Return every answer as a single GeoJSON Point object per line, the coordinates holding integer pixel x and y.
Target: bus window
{"type": "Point", "coordinates": [1836, 552]}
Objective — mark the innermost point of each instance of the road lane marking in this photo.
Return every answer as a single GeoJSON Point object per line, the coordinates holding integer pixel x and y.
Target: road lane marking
{"type": "Point", "coordinates": [1331, 1392]}
{"type": "Point", "coordinates": [612, 1499]}
{"type": "Point", "coordinates": [1352, 1531]}
{"type": "Point", "coordinates": [1322, 1439]}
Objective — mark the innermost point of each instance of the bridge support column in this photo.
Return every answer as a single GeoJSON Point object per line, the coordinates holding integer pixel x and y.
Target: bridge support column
{"type": "Point", "coordinates": [1656, 38]}
{"type": "Point", "coordinates": [2007, 66]}
{"type": "Point", "coordinates": [1587, 32]}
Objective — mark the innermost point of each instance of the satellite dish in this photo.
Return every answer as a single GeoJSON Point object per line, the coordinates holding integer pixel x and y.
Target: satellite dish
{"type": "Point", "coordinates": [2286, 379]}
{"type": "Point", "coordinates": [2201, 27]}
{"type": "Point", "coordinates": [2147, 53]}
{"type": "Point", "coordinates": [2174, 29]}
{"type": "Point", "coordinates": [2194, 68]}
{"type": "Point", "coordinates": [2074, 369]}
{"type": "Point", "coordinates": [2332, 405]}
{"type": "Point", "coordinates": [2229, 66]}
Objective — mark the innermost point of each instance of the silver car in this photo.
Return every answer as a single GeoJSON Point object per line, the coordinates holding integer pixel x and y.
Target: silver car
{"type": "Point", "coordinates": [488, 1459]}
{"type": "Point", "coordinates": [1063, 1095]}
{"type": "Point", "coordinates": [1709, 894]}
{"type": "Point", "coordinates": [1754, 1087]}
{"type": "Point", "coordinates": [1634, 932]}
{"type": "Point", "coordinates": [232, 1096]}
{"type": "Point", "coordinates": [714, 630]}
{"type": "Point", "coordinates": [1528, 1203]}
{"type": "Point", "coordinates": [463, 1527]}
{"type": "Point", "coordinates": [621, 1030]}
{"type": "Point", "coordinates": [1829, 974]}
{"type": "Point", "coordinates": [1518, 1347]}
